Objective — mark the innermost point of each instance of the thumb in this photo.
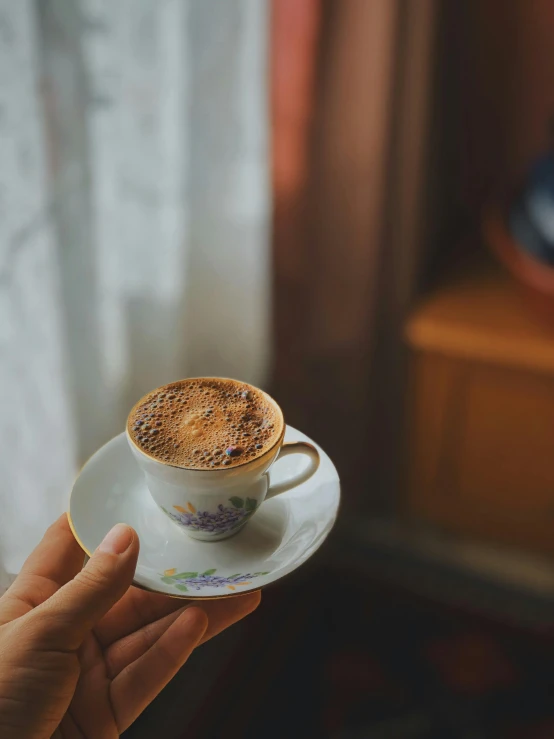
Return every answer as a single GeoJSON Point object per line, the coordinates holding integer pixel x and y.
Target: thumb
{"type": "Point", "coordinates": [66, 617]}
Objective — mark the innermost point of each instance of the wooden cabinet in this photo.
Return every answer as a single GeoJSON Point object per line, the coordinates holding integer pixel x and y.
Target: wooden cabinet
{"type": "Point", "coordinates": [481, 420]}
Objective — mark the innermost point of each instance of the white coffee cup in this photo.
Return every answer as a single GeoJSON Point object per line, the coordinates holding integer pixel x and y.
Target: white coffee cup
{"type": "Point", "coordinates": [213, 504]}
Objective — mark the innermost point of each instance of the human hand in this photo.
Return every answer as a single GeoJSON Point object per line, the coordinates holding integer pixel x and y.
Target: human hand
{"type": "Point", "coordinates": [81, 652]}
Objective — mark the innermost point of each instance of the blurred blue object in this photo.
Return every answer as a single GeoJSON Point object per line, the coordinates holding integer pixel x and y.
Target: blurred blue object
{"type": "Point", "coordinates": [531, 218]}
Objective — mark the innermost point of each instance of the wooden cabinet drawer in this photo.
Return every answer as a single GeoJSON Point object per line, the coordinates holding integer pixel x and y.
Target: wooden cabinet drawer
{"type": "Point", "coordinates": [481, 450]}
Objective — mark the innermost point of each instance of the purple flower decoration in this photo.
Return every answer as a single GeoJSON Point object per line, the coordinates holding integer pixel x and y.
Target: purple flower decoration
{"type": "Point", "coordinates": [185, 581]}
{"type": "Point", "coordinates": [223, 519]}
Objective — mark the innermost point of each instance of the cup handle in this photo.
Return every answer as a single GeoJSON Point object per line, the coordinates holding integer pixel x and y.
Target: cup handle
{"type": "Point", "coordinates": [295, 447]}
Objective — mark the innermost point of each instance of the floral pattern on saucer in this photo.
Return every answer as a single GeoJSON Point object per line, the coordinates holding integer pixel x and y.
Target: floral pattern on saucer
{"type": "Point", "coordinates": [184, 581]}
{"type": "Point", "coordinates": [219, 521]}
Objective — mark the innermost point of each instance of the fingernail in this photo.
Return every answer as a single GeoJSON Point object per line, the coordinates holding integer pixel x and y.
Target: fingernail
{"type": "Point", "coordinates": [117, 540]}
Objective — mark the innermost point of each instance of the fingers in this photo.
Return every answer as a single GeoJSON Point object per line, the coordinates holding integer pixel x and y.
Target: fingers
{"type": "Point", "coordinates": [139, 608]}
{"type": "Point", "coordinates": [224, 613]}
{"type": "Point", "coordinates": [136, 609]}
{"type": "Point", "coordinates": [221, 614]}
{"type": "Point", "coordinates": [128, 649]}
{"type": "Point", "coordinates": [54, 562]}
{"type": "Point", "coordinates": [139, 683]}
{"type": "Point", "coordinates": [65, 618]}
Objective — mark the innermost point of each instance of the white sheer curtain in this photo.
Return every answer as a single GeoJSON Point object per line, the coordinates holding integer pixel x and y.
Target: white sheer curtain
{"type": "Point", "coordinates": [134, 203]}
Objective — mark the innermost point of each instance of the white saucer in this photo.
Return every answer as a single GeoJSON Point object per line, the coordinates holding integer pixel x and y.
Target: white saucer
{"type": "Point", "coordinates": [282, 535]}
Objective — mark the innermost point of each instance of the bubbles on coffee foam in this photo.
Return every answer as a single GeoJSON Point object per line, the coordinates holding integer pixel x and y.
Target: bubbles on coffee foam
{"type": "Point", "coordinates": [204, 424]}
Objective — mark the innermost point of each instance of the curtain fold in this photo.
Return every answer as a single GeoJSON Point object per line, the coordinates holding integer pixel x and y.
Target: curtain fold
{"type": "Point", "coordinates": [348, 241]}
{"type": "Point", "coordinates": [134, 233]}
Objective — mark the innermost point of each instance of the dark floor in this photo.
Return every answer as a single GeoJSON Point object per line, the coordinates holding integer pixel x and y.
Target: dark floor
{"type": "Point", "coordinates": [348, 660]}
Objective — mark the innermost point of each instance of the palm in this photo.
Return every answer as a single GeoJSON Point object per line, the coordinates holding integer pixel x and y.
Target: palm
{"type": "Point", "coordinates": [133, 652]}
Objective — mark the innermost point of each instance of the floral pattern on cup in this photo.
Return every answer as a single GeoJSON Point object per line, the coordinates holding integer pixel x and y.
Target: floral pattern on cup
{"type": "Point", "coordinates": [223, 519]}
{"type": "Point", "coordinates": [185, 581]}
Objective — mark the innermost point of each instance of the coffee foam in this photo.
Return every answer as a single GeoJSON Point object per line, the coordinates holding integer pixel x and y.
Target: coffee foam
{"type": "Point", "coordinates": [205, 423]}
